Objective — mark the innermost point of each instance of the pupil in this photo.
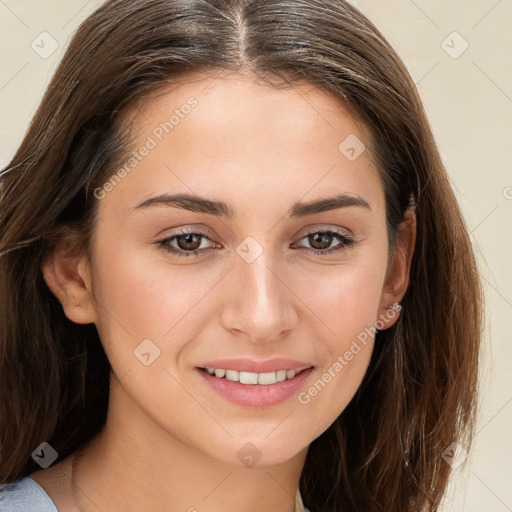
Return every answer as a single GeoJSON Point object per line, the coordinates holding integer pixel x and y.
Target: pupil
{"type": "Point", "coordinates": [317, 238]}
{"type": "Point", "coordinates": [189, 240]}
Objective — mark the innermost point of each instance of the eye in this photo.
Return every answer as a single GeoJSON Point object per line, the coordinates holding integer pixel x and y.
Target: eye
{"type": "Point", "coordinates": [320, 241]}
{"type": "Point", "coordinates": [190, 243]}
{"type": "Point", "coordinates": [187, 243]}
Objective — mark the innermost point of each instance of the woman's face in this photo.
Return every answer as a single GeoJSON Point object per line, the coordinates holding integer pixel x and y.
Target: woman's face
{"type": "Point", "coordinates": [272, 177]}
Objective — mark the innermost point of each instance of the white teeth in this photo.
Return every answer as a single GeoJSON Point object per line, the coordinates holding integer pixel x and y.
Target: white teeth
{"type": "Point", "coordinates": [253, 378]}
{"type": "Point", "coordinates": [280, 375]}
{"type": "Point", "coordinates": [232, 375]}
{"type": "Point", "coordinates": [290, 374]}
{"type": "Point", "coordinates": [248, 378]}
{"type": "Point", "coordinates": [267, 378]}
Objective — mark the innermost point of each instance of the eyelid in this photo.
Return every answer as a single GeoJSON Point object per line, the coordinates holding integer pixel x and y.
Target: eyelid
{"type": "Point", "coordinates": [329, 228]}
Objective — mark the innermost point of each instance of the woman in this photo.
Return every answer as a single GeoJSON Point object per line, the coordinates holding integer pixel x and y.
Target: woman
{"type": "Point", "coordinates": [234, 275]}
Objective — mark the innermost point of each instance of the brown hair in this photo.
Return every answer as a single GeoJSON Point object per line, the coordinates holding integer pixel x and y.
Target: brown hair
{"type": "Point", "coordinates": [419, 394]}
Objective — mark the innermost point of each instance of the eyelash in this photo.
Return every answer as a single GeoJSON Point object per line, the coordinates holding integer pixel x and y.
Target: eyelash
{"type": "Point", "coordinates": [346, 243]}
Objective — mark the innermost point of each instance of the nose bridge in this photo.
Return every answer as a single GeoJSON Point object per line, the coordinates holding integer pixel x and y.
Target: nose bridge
{"type": "Point", "coordinates": [261, 306]}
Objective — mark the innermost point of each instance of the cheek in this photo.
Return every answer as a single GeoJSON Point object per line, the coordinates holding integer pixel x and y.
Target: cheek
{"type": "Point", "coordinates": [345, 298]}
{"type": "Point", "coordinates": [140, 296]}
{"type": "Point", "coordinates": [347, 302]}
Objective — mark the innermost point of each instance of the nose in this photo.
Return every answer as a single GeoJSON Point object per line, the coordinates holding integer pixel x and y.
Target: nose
{"type": "Point", "coordinates": [261, 304]}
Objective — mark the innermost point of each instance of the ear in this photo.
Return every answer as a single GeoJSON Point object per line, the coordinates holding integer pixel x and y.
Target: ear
{"type": "Point", "coordinates": [399, 266]}
{"type": "Point", "coordinates": [68, 275]}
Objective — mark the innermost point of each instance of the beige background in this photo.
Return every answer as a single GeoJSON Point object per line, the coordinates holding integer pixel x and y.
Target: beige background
{"type": "Point", "coordinates": [468, 96]}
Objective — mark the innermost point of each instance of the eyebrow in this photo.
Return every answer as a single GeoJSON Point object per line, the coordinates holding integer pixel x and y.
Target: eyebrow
{"type": "Point", "coordinates": [202, 205]}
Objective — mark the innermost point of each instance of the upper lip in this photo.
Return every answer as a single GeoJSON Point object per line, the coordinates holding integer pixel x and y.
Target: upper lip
{"type": "Point", "coordinates": [252, 366]}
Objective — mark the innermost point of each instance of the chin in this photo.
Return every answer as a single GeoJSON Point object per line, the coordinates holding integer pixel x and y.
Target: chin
{"type": "Point", "coordinates": [260, 452]}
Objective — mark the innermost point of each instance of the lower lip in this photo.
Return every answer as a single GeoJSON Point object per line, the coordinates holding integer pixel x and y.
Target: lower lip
{"type": "Point", "coordinates": [256, 395]}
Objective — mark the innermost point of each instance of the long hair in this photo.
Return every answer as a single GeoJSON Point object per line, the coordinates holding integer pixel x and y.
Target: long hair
{"type": "Point", "coordinates": [385, 451]}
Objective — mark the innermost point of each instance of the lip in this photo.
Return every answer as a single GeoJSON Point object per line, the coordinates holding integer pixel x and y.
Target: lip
{"type": "Point", "coordinates": [255, 395]}
{"type": "Point", "coordinates": [250, 365]}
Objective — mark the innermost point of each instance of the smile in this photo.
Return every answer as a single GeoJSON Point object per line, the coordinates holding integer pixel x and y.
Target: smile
{"type": "Point", "coordinates": [254, 384]}
{"type": "Point", "coordinates": [251, 378]}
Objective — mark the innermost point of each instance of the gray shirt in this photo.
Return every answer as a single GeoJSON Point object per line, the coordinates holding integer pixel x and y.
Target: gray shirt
{"type": "Point", "coordinates": [25, 495]}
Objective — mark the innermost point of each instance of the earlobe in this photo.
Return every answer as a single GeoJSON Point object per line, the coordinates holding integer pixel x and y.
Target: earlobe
{"type": "Point", "coordinates": [68, 278]}
{"type": "Point", "coordinates": [389, 317]}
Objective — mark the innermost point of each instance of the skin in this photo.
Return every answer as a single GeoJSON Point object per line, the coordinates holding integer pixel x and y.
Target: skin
{"type": "Point", "coordinates": [259, 149]}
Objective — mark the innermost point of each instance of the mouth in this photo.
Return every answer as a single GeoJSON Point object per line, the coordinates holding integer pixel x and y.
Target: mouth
{"type": "Point", "coordinates": [252, 378]}
{"type": "Point", "coordinates": [238, 381]}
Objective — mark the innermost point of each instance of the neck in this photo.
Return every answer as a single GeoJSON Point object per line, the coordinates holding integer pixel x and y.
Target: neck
{"type": "Point", "coordinates": [137, 465]}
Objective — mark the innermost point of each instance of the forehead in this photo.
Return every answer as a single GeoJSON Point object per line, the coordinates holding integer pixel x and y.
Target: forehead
{"type": "Point", "coordinates": [238, 138]}
{"type": "Point", "coordinates": [237, 102]}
